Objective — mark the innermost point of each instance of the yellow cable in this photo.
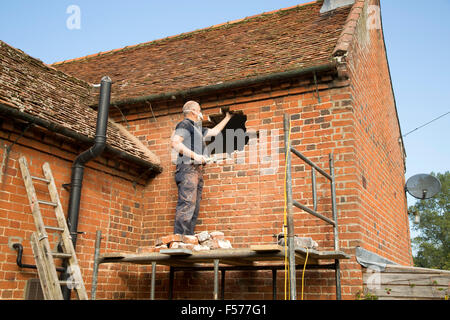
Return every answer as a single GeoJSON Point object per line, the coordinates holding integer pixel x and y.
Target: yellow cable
{"type": "Point", "coordinates": [286, 264]}
{"type": "Point", "coordinates": [303, 274]}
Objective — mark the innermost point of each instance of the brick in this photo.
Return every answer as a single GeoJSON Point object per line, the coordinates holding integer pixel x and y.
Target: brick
{"type": "Point", "coordinates": [163, 246]}
{"type": "Point", "coordinates": [203, 236]}
{"type": "Point", "coordinates": [181, 245]}
{"type": "Point", "coordinates": [217, 235]}
{"type": "Point", "coordinates": [217, 244]}
{"type": "Point", "coordinates": [200, 247]}
{"type": "Point", "coordinates": [211, 244]}
{"type": "Point", "coordinates": [171, 238]}
{"type": "Point", "coordinates": [224, 244]}
{"type": "Point", "coordinates": [190, 239]}
{"type": "Point", "coordinates": [143, 250]}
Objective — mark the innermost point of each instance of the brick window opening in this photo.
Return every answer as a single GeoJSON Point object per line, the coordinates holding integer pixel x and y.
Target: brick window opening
{"type": "Point", "coordinates": [232, 138]}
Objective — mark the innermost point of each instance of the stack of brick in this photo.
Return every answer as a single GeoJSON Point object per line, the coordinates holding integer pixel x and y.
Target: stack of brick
{"type": "Point", "coordinates": [212, 240]}
{"type": "Point", "coordinates": [202, 241]}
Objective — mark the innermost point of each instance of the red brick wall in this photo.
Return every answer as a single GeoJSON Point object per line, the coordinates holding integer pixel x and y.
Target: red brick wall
{"type": "Point", "coordinates": [384, 224]}
{"type": "Point", "coordinates": [108, 203]}
{"type": "Point", "coordinates": [246, 201]}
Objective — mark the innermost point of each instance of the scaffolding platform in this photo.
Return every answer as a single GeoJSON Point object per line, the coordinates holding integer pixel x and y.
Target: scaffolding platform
{"type": "Point", "coordinates": [252, 256]}
{"type": "Point", "coordinates": [258, 257]}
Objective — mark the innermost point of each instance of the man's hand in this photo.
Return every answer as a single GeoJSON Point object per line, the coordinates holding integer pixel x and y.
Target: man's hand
{"type": "Point", "coordinates": [177, 145]}
{"type": "Point", "coordinates": [219, 127]}
{"type": "Point", "coordinates": [200, 159]}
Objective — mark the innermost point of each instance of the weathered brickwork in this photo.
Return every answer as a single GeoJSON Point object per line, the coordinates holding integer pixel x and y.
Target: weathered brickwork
{"type": "Point", "coordinates": [246, 201]}
{"type": "Point", "coordinates": [379, 151]}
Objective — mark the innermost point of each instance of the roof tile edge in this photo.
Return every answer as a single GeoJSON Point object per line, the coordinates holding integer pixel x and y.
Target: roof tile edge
{"type": "Point", "coordinates": [346, 37]}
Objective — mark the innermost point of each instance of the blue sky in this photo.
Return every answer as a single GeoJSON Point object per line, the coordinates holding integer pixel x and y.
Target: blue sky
{"type": "Point", "coordinates": [417, 38]}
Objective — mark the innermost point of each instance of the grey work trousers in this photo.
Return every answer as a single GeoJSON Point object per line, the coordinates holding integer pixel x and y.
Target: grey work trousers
{"type": "Point", "coordinates": [189, 179]}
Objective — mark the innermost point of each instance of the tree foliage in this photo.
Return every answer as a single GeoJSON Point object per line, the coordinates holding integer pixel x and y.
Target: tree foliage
{"type": "Point", "coordinates": [433, 242]}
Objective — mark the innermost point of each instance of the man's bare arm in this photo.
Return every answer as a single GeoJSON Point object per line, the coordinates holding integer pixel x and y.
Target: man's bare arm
{"type": "Point", "coordinates": [219, 127]}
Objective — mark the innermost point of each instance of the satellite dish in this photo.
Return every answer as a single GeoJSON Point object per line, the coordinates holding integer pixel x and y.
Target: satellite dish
{"type": "Point", "coordinates": [423, 186]}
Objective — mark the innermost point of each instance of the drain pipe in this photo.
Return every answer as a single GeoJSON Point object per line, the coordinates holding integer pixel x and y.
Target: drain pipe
{"type": "Point", "coordinates": [86, 156]}
{"type": "Point", "coordinates": [80, 162]}
{"type": "Point", "coordinates": [19, 248]}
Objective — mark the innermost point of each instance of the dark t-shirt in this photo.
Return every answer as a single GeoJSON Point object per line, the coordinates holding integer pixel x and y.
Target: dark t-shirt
{"type": "Point", "coordinates": [193, 138]}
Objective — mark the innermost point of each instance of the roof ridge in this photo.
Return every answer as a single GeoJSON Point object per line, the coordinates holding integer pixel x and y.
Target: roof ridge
{"type": "Point", "coordinates": [186, 33]}
{"type": "Point", "coordinates": [346, 36]}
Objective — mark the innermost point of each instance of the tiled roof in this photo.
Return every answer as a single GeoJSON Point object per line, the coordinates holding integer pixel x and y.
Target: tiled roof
{"type": "Point", "coordinates": [288, 39]}
{"type": "Point", "coordinates": [30, 86]}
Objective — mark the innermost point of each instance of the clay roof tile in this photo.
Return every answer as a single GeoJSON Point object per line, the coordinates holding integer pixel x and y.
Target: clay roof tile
{"type": "Point", "coordinates": [32, 87]}
{"type": "Point", "coordinates": [282, 40]}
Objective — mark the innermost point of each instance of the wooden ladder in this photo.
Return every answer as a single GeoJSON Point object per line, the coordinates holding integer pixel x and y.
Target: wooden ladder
{"type": "Point", "coordinates": [51, 285]}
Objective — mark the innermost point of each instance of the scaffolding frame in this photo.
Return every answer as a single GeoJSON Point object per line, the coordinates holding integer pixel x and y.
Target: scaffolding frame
{"type": "Point", "coordinates": [255, 258]}
{"type": "Point", "coordinates": [291, 203]}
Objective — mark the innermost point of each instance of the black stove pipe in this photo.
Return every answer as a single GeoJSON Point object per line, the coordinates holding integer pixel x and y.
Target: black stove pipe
{"type": "Point", "coordinates": [80, 162]}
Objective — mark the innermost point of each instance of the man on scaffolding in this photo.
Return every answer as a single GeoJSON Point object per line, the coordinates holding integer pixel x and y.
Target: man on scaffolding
{"type": "Point", "coordinates": [188, 141]}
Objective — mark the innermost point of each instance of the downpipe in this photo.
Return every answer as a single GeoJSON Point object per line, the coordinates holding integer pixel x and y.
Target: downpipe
{"type": "Point", "coordinates": [78, 166]}
{"type": "Point", "coordinates": [19, 248]}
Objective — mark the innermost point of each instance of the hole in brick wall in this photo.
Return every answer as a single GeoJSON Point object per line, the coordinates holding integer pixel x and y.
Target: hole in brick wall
{"type": "Point", "coordinates": [232, 138]}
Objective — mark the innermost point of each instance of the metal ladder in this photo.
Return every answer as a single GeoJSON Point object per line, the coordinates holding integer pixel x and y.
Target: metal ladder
{"type": "Point", "coordinates": [51, 285]}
